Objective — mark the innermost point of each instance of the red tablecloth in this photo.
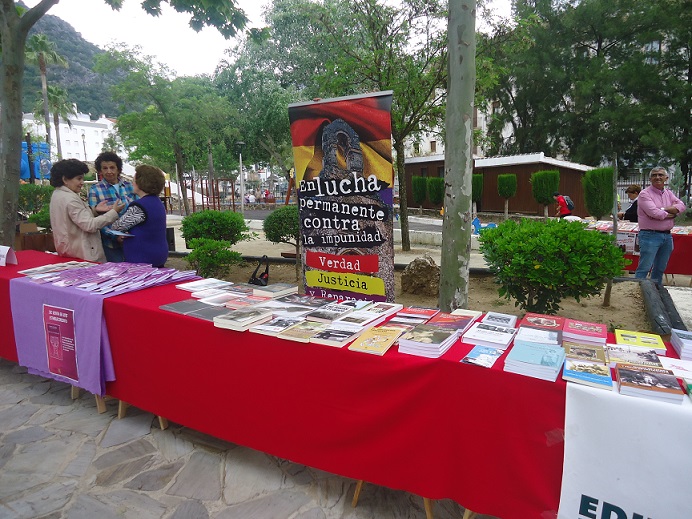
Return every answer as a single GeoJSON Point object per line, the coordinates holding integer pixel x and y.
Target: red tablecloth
{"type": "Point", "coordinates": [679, 262]}
{"type": "Point", "coordinates": [490, 440]}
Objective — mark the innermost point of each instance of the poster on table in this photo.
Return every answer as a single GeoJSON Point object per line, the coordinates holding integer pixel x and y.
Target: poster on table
{"type": "Point", "coordinates": [344, 177]}
{"type": "Point", "coordinates": [625, 457]}
{"type": "Point", "coordinates": [628, 242]}
{"type": "Point", "coordinates": [58, 324]}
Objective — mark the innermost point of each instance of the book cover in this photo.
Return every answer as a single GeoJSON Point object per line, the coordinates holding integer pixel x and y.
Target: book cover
{"type": "Point", "coordinates": [302, 331]}
{"type": "Point", "coordinates": [246, 301]}
{"type": "Point", "coordinates": [281, 309]}
{"type": "Point", "coordinates": [275, 290]}
{"type": "Point", "coordinates": [417, 312]}
{"type": "Point", "coordinates": [203, 284]}
{"type": "Point", "coordinates": [489, 335]}
{"type": "Point", "coordinates": [680, 368]}
{"type": "Point", "coordinates": [544, 355]}
{"type": "Point", "coordinates": [332, 336]}
{"type": "Point", "coordinates": [217, 299]}
{"type": "Point", "coordinates": [528, 334]}
{"type": "Point", "coordinates": [241, 318]}
{"type": "Point", "coordinates": [209, 313]}
{"type": "Point", "coordinates": [61, 344]}
{"type": "Point", "coordinates": [460, 323]}
{"type": "Point", "coordinates": [585, 352]}
{"type": "Point", "coordinates": [328, 313]}
{"type": "Point", "coordinates": [593, 332]}
{"type": "Point", "coordinates": [500, 319]}
{"type": "Point", "coordinates": [427, 334]}
{"type": "Point", "coordinates": [276, 325]}
{"type": "Point", "coordinates": [543, 321]}
{"type": "Point", "coordinates": [483, 356]}
{"type": "Point", "coordinates": [384, 308]}
{"type": "Point", "coordinates": [376, 340]}
{"type": "Point", "coordinates": [623, 354]}
{"type": "Point", "coordinates": [356, 304]}
{"type": "Point", "coordinates": [303, 300]}
{"type": "Point", "coordinates": [640, 339]}
{"type": "Point", "coordinates": [648, 381]}
{"type": "Point", "coordinates": [475, 314]}
{"type": "Point", "coordinates": [185, 306]}
{"type": "Point", "coordinates": [594, 374]}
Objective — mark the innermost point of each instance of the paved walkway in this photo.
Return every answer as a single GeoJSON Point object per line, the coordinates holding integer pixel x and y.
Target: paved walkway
{"type": "Point", "coordinates": [60, 459]}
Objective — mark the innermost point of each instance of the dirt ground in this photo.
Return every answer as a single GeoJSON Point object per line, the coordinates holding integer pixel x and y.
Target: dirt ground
{"type": "Point", "coordinates": [626, 308]}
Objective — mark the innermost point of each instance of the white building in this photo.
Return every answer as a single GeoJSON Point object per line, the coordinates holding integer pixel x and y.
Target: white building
{"type": "Point", "coordinates": [82, 140]}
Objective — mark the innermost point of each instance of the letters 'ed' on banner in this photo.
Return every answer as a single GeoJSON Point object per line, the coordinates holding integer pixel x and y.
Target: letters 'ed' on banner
{"type": "Point", "coordinates": [343, 172]}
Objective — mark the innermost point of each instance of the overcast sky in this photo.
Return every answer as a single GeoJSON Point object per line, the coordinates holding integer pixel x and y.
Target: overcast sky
{"type": "Point", "coordinates": [168, 38]}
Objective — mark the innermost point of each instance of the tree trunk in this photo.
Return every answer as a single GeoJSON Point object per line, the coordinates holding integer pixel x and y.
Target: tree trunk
{"type": "Point", "coordinates": [456, 226]}
{"type": "Point", "coordinates": [180, 173]}
{"type": "Point", "coordinates": [13, 32]}
{"type": "Point", "coordinates": [44, 92]}
{"type": "Point", "coordinates": [506, 208]}
{"type": "Point", "coordinates": [56, 124]}
{"type": "Point", "coordinates": [403, 203]}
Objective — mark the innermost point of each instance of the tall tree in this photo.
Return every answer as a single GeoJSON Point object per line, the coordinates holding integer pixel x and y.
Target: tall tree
{"type": "Point", "coordinates": [42, 52]}
{"type": "Point", "coordinates": [62, 108]}
{"type": "Point", "coordinates": [456, 227]}
{"type": "Point", "coordinates": [14, 28]}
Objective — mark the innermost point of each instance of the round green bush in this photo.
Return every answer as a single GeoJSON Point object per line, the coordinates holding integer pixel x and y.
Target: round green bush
{"type": "Point", "coordinates": [282, 225]}
{"type": "Point", "coordinates": [215, 225]}
{"type": "Point", "coordinates": [540, 263]}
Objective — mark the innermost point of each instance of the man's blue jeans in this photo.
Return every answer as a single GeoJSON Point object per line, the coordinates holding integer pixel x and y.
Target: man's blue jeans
{"type": "Point", "coordinates": [655, 249]}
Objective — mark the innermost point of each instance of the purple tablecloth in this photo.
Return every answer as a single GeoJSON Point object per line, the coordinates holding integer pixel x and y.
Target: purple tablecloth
{"type": "Point", "coordinates": [92, 347]}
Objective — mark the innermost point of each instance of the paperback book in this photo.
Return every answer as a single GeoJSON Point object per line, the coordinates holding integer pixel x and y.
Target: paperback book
{"type": "Point", "coordinates": [275, 290]}
{"type": "Point", "coordinates": [334, 336]}
{"type": "Point", "coordinates": [218, 299]}
{"type": "Point", "coordinates": [302, 331]}
{"type": "Point", "coordinates": [475, 314]}
{"type": "Point", "coordinates": [460, 323]}
{"type": "Point", "coordinates": [542, 361]}
{"type": "Point", "coordinates": [682, 343]}
{"type": "Point", "coordinates": [417, 312]}
{"type": "Point", "coordinates": [276, 325]}
{"type": "Point", "coordinates": [328, 312]}
{"type": "Point", "coordinates": [185, 306]}
{"type": "Point", "coordinates": [376, 340]}
{"type": "Point", "coordinates": [594, 374]}
{"type": "Point", "coordinates": [483, 334]}
{"type": "Point", "coordinates": [281, 309]}
{"type": "Point", "coordinates": [427, 341]}
{"type": "Point", "coordinates": [528, 334]}
{"type": "Point", "coordinates": [680, 368]}
{"type": "Point", "coordinates": [585, 352]}
{"type": "Point", "coordinates": [245, 301]}
{"type": "Point", "coordinates": [500, 319]}
{"type": "Point", "coordinates": [483, 356]}
{"type": "Point", "coordinates": [648, 382]}
{"type": "Point", "coordinates": [584, 331]}
{"type": "Point", "coordinates": [303, 300]}
{"type": "Point", "coordinates": [623, 354]}
{"type": "Point", "coordinates": [242, 319]}
{"type": "Point", "coordinates": [551, 323]}
{"type": "Point", "coordinates": [203, 284]}
{"type": "Point", "coordinates": [209, 313]}
{"type": "Point", "coordinates": [649, 341]}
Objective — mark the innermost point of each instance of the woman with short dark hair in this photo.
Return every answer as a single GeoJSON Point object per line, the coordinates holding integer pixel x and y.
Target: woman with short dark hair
{"type": "Point", "coordinates": [75, 225]}
{"type": "Point", "coordinates": [632, 193]}
{"type": "Point", "coordinates": [145, 220]}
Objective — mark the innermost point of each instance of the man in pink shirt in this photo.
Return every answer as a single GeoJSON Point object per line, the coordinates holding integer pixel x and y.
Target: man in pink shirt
{"type": "Point", "coordinates": [656, 211]}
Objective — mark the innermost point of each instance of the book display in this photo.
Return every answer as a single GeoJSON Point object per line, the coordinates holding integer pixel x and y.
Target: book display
{"type": "Point", "coordinates": [594, 374]}
{"type": "Point", "coordinates": [650, 341]}
{"type": "Point", "coordinates": [542, 361]}
{"type": "Point", "coordinates": [483, 356]}
{"type": "Point", "coordinates": [648, 382]}
{"type": "Point", "coordinates": [242, 319]}
{"type": "Point", "coordinates": [482, 334]}
{"type": "Point", "coordinates": [275, 290]}
{"type": "Point", "coordinates": [499, 319]}
{"type": "Point", "coordinates": [582, 331]}
{"type": "Point", "coordinates": [376, 340]}
{"type": "Point", "coordinates": [682, 343]}
{"type": "Point", "coordinates": [427, 341]}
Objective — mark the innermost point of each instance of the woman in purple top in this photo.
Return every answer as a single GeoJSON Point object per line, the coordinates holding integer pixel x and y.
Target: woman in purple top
{"type": "Point", "coordinates": [145, 220]}
{"type": "Point", "coordinates": [657, 208]}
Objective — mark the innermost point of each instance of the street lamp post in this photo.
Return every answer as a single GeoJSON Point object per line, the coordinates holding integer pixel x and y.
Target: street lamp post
{"type": "Point", "coordinates": [84, 145]}
{"type": "Point", "coordinates": [240, 145]}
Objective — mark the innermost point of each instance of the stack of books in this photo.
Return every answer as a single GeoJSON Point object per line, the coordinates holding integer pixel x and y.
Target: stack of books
{"type": "Point", "coordinates": [499, 319]}
{"type": "Point", "coordinates": [587, 364]}
{"type": "Point", "coordinates": [333, 335]}
{"type": "Point", "coordinates": [483, 334]}
{"type": "Point", "coordinates": [649, 341]}
{"type": "Point", "coordinates": [377, 340]}
{"type": "Point", "coordinates": [482, 356]}
{"type": "Point", "coordinates": [372, 315]}
{"type": "Point", "coordinates": [584, 332]}
{"type": "Point", "coordinates": [276, 325]}
{"type": "Point", "coordinates": [427, 341]}
{"type": "Point", "coordinates": [245, 302]}
{"type": "Point", "coordinates": [649, 382]}
{"type": "Point", "coordinates": [682, 343]}
{"type": "Point", "coordinates": [203, 284]}
{"type": "Point", "coordinates": [185, 306]}
{"type": "Point", "coordinates": [303, 331]}
{"type": "Point", "coordinates": [242, 319]}
{"type": "Point", "coordinates": [543, 361]}
{"type": "Point", "coordinates": [535, 335]}
{"type": "Point", "coordinates": [414, 315]}
{"type": "Point", "coordinates": [328, 313]}
{"type": "Point", "coordinates": [460, 323]}
{"type": "Point", "coordinates": [551, 323]}
{"type": "Point", "coordinates": [624, 354]}
{"type": "Point", "coordinates": [275, 290]}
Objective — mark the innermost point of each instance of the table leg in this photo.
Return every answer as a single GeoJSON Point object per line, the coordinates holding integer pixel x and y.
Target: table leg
{"type": "Point", "coordinates": [122, 408]}
{"type": "Point", "coordinates": [100, 404]}
{"type": "Point", "coordinates": [468, 514]}
{"type": "Point", "coordinates": [356, 494]}
{"type": "Point", "coordinates": [428, 505]}
{"type": "Point", "coordinates": [74, 392]}
{"type": "Point", "coordinates": [163, 422]}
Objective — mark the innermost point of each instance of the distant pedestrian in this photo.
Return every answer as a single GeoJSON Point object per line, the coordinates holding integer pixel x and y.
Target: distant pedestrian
{"type": "Point", "coordinates": [656, 211]}
{"type": "Point", "coordinates": [562, 209]}
{"type": "Point", "coordinates": [630, 214]}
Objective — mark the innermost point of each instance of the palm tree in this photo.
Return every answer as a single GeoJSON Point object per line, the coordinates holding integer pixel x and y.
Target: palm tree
{"type": "Point", "coordinates": [41, 51]}
{"type": "Point", "coordinates": [61, 107]}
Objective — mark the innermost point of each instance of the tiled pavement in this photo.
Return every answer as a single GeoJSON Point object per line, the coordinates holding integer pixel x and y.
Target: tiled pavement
{"type": "Point", "coordinates": [60, 459]}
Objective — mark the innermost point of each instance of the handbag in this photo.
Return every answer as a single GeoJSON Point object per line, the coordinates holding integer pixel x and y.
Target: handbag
{"type": "Point", "coordinates": [261, 279]}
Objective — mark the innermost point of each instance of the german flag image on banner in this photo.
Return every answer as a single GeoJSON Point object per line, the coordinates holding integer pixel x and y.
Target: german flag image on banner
{"type": "Point", "coordinates": [344, 177]}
